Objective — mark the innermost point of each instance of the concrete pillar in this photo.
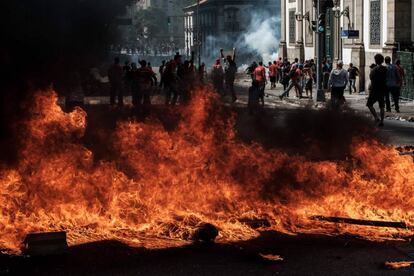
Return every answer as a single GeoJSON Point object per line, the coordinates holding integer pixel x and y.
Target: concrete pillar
{"type": "Point", "coordinates": [358, 49]}
{"type": "Point", "coordinates": [390, 43]}
{"type": "Point", "coordinates": [299, 24]}
{"type": "Point", "coordinates": [299, 47]}
{"type": "Point", "coordinates": [282, 44]}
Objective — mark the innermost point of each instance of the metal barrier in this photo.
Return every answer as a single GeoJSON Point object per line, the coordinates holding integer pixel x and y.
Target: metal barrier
{"type": "Point", "coordinates": [407, 62]}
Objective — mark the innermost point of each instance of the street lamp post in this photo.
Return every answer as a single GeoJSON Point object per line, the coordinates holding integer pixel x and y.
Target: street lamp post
{"type": "Point", "coordinates": [198, 34]}
{"type": "Point", "coordinates": [320, 96]}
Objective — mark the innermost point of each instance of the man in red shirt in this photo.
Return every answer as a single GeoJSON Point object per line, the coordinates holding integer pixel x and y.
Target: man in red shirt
{"type": "Point", "coordinates": [260, 81]}
{"type": "Point", "coordinates": [295, 75]}
{"type": "Point", "coordinates": [273, 71]}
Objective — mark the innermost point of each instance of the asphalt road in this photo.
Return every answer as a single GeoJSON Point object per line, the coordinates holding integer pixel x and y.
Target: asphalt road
{"type": "Point", "coordinates": [398, 132]}
{"type": "Point", "coordinates": [302, 255]}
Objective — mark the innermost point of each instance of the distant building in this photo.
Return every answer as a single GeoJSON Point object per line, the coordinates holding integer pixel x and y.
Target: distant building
{"type": "Point", "coordinates": [385, 26]}
{"type": "Point", "coordinates": [221, 23]}
{"type": "Point", "coordinates": [175, 14]}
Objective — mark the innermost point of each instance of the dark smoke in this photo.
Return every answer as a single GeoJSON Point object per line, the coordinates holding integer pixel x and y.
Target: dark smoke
{"type": "Point", "coordinates": [43, 41]}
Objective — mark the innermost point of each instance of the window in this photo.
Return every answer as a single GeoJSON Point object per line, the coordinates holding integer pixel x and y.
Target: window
{"type": "Point", "coordinates": [292, 27]}
{"type": "Point", "coordinates": [231, 19]}
{"type": "Point", "coordinates": [375, 22]}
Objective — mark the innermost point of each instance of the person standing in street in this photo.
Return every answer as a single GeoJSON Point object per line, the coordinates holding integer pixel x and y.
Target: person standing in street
{"type": "Point", "coordinates": [230, 70]}
{"type": "Point", "coordinates": [338, 80]}
{"type": "Point", "coordinates": [260, 81]}
{"type": "Point", "coordinates": [353, 72]}
{"type": "Point", "coordinates": [217, 76]}
{"type": "Point", "coordinates": [378, 77]}
{"type": "Point", "coordinates": [393, 85]}
{"type": "Point", "coordinates": [273, 73]}
{"type": "Point", "coordinates": [161, 71]}
{"type": "Point", "coordinates": [308, 76]}
{"type": "Point", "coordinates": [115, 75]}
{"type": "Point", "coordinates": [146, 78]}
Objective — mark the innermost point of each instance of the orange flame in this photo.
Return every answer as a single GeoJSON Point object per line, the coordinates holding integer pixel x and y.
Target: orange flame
{"type": "Point", "coordinates": [162, 184]}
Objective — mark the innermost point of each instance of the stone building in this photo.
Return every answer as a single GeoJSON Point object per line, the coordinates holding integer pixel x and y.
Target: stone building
{"type": "Point", "coordinates": [174, 11]}
{"type": "Point", "coordinates": [221, 22]}
{"type": "Point", "coordinates": [385, 26]}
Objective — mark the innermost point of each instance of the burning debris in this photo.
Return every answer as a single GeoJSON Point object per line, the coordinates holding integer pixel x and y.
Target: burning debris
{"type": "Point", "coordinates": [398, 265]}
{"type": "Point", "coordinates": [391, 224]}
{"type": "Point", "coordinates": [271, 257]}
{"type": "Point", "coordinates": [197, 181]}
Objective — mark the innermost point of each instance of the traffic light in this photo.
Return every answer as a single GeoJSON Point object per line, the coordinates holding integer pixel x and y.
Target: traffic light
{"type": "Point", "coordinates": [327, 4]}
{"type": "Point", "coordinates": [322, 23]}
{"type": "Point", "coordinates": [169, 21]}
{"type": "Point", "coordinates": [324, 4]}
{"type": "Point", "coordinates": [313, 25]}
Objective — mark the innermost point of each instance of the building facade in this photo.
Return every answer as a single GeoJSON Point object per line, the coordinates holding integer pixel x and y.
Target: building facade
{"type": "Point", "coordinates": [175, 15]}
{"type": "Point", "coordinates": [385, 26]}
{"type": "Point", "coordinates": [220, 23]}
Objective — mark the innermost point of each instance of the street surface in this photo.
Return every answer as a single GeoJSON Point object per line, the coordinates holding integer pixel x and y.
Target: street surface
{"type": "Point", "coordinates": [291, 124]}
{"type": "Point", "coordinates": [302, 255]}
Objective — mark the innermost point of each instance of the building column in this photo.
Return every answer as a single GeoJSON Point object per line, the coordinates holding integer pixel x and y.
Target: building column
{"type": "Point", "coordinates": [282, 44]}
{"type": "Point", "coordinates": [358, 48]}
{"type": "Point", "coordinates": [390, 44]}
{"type": "Point", "coordinates": [299, 47]}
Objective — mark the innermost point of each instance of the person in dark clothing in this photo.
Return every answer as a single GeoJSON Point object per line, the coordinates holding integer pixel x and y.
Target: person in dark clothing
{"type": "Point", "coordinates": [230, 70]}
{"type": "Point", "coordinates": [326, 72]}
{"type": "Point", "coordinates": [285, 75]}
{"type": "Point", "coordinates": [378, 77]}
{"type": "Point", "coordinates": [171, 81]}
{"type": "Point", "coordinates": [115, 75]}
{"type": "Point", "coordinates": [161, 71]}
{"type": "Point", "coordinates": [393, 85]}
{"type": "Point", "coordinates": [133, 81]}
{"type": "Point", "coordinates": [145, 78]}
{"type": "Point", "coordinates": [217, 76]}
{"type": "Point", "coordinates": [353, 72]}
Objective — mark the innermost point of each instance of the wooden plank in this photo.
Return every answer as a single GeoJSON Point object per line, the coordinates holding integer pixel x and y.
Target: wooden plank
{"type": "Point", "coordinates": [373, 223]}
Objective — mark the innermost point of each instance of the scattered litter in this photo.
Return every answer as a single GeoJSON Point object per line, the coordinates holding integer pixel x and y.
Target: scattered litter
{"type": "Point", "coordinates": [271, 257]}
{"type": "Point", "coordinates": [398, 265]}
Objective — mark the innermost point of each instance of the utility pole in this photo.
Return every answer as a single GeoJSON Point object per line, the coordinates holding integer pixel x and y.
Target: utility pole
{"type": "Point", "coordinates": [198, 34]}
{"type": "Point", "coordinates": [320, 33]}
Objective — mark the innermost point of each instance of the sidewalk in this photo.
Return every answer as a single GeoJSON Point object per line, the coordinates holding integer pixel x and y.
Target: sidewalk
{"type": "Point", "coordinates": [354, 101]}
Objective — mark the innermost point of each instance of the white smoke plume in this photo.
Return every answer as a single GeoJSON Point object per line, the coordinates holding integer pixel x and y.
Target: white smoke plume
{"type": "Point", "coordinates": [262, 36]}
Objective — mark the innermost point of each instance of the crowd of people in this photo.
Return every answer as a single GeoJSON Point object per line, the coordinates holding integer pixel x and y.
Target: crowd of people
{"type": "Point", "coordinates": [178, 78]}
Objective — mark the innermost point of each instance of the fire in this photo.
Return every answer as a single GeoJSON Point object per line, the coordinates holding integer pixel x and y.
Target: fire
{"type": "Point", "coordinates": [163, 183]}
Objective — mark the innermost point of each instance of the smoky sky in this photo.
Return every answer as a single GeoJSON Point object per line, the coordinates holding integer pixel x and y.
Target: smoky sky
{"type": "Point", "coordinates": [44, 40]}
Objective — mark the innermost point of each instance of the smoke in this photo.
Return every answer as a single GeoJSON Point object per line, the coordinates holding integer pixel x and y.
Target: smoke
{"type": "Point", "coordinates": [262, 36]}
{"type": "Point", "coordinates": [257, 40]}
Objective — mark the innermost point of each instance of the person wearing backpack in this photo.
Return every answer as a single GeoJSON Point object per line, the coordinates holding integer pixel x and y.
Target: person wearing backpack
{"type": "Point", "coordinates": [294, 74]}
